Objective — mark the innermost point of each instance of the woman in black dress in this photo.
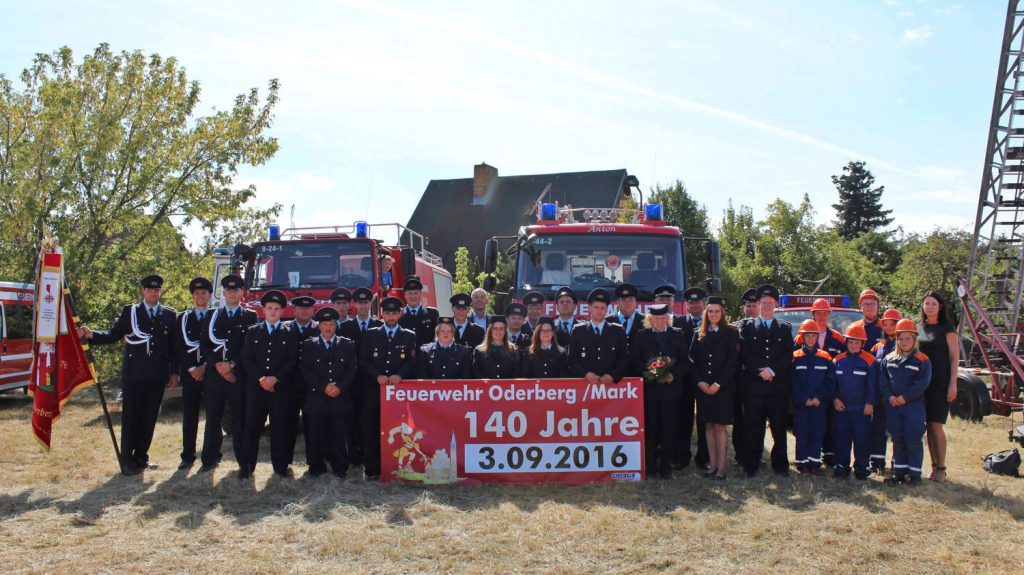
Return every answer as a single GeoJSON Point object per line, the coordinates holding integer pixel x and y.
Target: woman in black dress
{"type": "Point", "coordinates": [936, 335]}
{"type": "Point", "coordinates": [545, 357]}
{"type": "Point", "coordinates": [714, 355]}
{"type": "Point", "coordinates": [662, 397]}
{"type": "Point", "coordinates": [496, 357]}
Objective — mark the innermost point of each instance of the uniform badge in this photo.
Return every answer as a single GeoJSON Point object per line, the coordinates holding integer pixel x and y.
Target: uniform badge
{"type": "Point", "coordinates": [375, 354]}
{"type": "Point", "coordinates": [583, 354]}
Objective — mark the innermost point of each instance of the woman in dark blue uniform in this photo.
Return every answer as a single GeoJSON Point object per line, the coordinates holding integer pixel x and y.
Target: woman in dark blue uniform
{"type": "Point", "coordinates": [662, 397]}
{"type": "Point", "coordinates": [545, 358]}
{"type": "Point", "coordinates": [496, 358]}
{"type": "Point", "coordinates": [715, 355]}
{"type": "Point", "coordinates": [444, 358]}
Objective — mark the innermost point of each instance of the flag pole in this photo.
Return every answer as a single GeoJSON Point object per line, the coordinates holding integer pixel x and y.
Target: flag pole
{"type": "Point", "coordinates": [99, 384]}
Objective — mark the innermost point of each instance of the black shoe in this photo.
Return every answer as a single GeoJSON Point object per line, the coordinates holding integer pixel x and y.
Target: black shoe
{"type": "Point", "coordinates": [750, 473]}
{"type": "Point", "coordinates": [895, 479]}
{"type": "Point", "coordinates": [286, 472]}
{"type": "Point", "coordinates": [311, 474]}
{"type": "Point", "coordinates": [244, 474]}
{"type": "Point", "coordinates": [146, 465]}
{"type": "Point", "coordinates": [782, 472]}
{"type": "Point", "coordinates": [666, 475]}
{"type": "Point", "coordinates": [371, 477]}
{"type": "Point", "coordinates": [914, 481]}
{"type": "Point", "coordinates": [186, 464]}
{"type": "Point", "coordinates": [208, 467]}
{"type": "Point", "coordinates": [130, 469]}
{"type": "Point", "coordinates": [861, 476]}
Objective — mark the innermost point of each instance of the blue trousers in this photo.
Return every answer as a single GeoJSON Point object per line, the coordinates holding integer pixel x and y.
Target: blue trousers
{"type": "Point", "coordinates": [852, 429]}
{"type": "Point", "coordinates": [906, 428]}
{"type": "Point", "coordinates": [809, 429]}
{"type": "Point", "coordinates": [879, 439]}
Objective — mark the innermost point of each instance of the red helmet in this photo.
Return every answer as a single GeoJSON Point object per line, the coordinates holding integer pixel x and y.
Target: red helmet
{"type": "Point", "coordinates": [856, 331]}
{"type": "Point", "coordinates": [810, 326]}
{"type": "Point", "coordinates": [820, 305]}
{"type": "Point", "coordinates": [866, 294]}
{"type": "Point", "coordinates": [891, 315]}
{"type": "Point", "coordinates": [906, 325]}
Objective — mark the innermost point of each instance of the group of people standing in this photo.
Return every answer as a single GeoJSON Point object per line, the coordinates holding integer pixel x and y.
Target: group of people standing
{"type": "Point", "coordinates": [845, 391]}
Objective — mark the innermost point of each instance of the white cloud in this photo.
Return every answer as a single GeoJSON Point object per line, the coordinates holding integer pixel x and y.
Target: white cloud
{"type": "Point", "coordinates": [940, 174]}
{"type": "Point", "coordinates": [918, 35]}
{"type": "Point", "coordinates": [892, 2]}
{"type": "Point", "coordinates": [948, 10]}
{"type": "Point", "coordinates": [905, 14]}
{"type": "Point", "coordinates": [852, 37]}
{"type": "Point", "coordinates": [314, 183]}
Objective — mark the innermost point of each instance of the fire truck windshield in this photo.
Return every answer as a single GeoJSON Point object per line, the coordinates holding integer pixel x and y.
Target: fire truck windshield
{"type": "Point", "coordinates": [312, 264]}
{"type": "Point", "coordinates": [587, 261]}
{"type": "Point", "coordinates": [838, 320]}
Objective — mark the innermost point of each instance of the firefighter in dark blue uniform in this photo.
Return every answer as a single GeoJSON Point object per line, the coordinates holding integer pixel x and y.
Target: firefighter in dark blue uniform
{"type": "Point", "coordinates": [329, 370]}
{"type": "Point", "coordinates": [386, 357]}
{"type": "Point", "coordinates": [715, 353]}
{"type": "Point", "coordinates": [597, 348]}
{"type": "Point", "coordinates": [813, 379]}
{"type": "Point", "coordinates": [751, 309]}
{"type": "Point", "coordinates": [882, 348]}
{"type": "Point", "coordinates": [341, 298]}
{"type": "Point", "coordinates": [534, 302]}
{"type": "Point", "coordinates": [354, 329]}
{"type": "Point", "coordinates": [766, 351]}
{"type": "Point", "coordinates": [305, 328]}
{"type": "Point", "coordinates": [695, 299]}
{"type": "Point", "coordinates": [832, 342]}
{"type": "Point", "coordinates": [545, 358]}
{"type": "Point", "coordinates": [445, 358]}
{"type": "Point", "coordinates": [631, 320]}
{"type": "Point", "coordinates": [149, 364]}
{"type": "Point", "coordinates": [416, 317]}
{"type": "Point", "coordinates": [190, 326]}
{"type": "Point", "coordinates": [270, 352]}
{"type": "Point", "coordinates": [856, 389]}
{"type": "Point", "coordinates": [519, 333]}
{"type": "Point", "coordinates": [661, 398]}
{"type": "Point", "coordinates": [565, 307]}
{"type": "Point", "coordinates": [467, 333]}
{"type": "Point", "coordinates": [903, 378]}
{"type": "Point", "coordinates": [495, 358]}
{"type": "Point", "coordinates": [225, 375]}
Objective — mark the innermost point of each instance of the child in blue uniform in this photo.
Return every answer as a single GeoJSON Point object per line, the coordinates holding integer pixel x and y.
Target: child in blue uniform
{"type": "Point", "coordinates": [813, 379]}
{"type": "Point", "coordinates": [857, 383]}
{"type": "Point", "coordinates": [882, 348]}
{"type": "Point", "coordinates": [904, 375]}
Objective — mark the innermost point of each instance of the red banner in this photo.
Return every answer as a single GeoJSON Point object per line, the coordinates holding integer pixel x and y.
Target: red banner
{"type": "Point", "coordinates": [512, 431]}
{"type": "Point", "coordinates": [60, 367]}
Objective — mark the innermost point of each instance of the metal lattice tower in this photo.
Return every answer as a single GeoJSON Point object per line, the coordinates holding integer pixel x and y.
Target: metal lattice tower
{"type": "Point", "coordinates": [997, 250]}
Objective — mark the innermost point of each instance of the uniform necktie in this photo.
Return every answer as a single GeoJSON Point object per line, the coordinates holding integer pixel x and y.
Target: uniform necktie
{"type": "Point", "coordinates": [460, 331]}
{"type": "Point", "coordinates": [362, 326]}
{"type": "Point", "coordinates": [565, 326]}
{"type": "Point", "coordinates": [597, 331]}
{"type": "Point", "coordinates": [200, 314]}
{"type": "Point", "coordinates": [391, 335]}
{"type": "Point", "coordinates": [271, 329]}
{"type": "Point", "coordinates": [327, 345]}
{"type": "Point", "coordinates": [152, 313]}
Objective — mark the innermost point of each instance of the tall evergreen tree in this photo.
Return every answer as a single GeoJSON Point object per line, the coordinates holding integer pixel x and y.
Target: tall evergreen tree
{"type": "Point", "coordinates": [860, 206]}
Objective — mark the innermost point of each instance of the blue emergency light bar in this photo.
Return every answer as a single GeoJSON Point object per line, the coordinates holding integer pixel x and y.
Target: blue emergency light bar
{"type": "Point", "coordinates": [362, 229]}
{"type": "Point", "coordinates": [275, 232]}
{"type": "Point", "coordinates": [549, 212]}
{"type": "Point", "coordinates": [652, 212]}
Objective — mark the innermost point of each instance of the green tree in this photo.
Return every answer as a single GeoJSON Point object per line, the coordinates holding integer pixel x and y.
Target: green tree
{"type": "Point", "coordinates": [461, 282]}
{"type": "Point", "coordinates": [110, 154]}
{"type": "Point", "coordinates": [691, 217]}
{"type": "Point", "coordinates": [860, 206]}
{"type": "Point", "coordinates": [930, 262]}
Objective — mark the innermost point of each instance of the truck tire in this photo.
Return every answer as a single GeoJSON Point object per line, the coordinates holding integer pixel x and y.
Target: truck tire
{"type": "Point", "coordinates": [973, 401]}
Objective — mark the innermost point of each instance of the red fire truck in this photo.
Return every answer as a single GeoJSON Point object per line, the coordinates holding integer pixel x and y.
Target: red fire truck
{"type": "Point", "coordinates": [16, 308]}
{"type": "Point", "coordinates": [586, 249]}
{"type": "Point", "coordinates": [315, 261]}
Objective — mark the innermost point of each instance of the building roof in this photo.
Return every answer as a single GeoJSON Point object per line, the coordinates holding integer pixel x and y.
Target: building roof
{"type": "Point", "coordinates": [450, 217]}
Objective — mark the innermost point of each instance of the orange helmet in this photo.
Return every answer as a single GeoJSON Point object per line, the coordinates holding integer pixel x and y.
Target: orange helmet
{"type": "Point", "coordinates": [907, 325]}
{"type": "Point", "coordinates": [856, 331]}
{"type": "Point", "coordinates": [811, 326]}
{"type": "Point", "coordinates": [820, 305]}
{"type": "Point", "coordinates": [891, 315]}
{"type": "Point", "coordinates": [866, 294]}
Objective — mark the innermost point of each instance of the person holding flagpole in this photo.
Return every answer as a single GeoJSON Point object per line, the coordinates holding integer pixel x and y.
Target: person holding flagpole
{"type": "Point", "coordinates": [149, 364]}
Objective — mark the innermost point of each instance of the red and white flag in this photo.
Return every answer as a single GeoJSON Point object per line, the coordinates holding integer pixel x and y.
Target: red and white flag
{"type": "Point", "coordinates": [60, 366]}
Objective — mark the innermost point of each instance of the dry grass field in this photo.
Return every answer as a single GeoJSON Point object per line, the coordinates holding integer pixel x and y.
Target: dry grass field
{"type": "Point", "coordinates": [71, 512]}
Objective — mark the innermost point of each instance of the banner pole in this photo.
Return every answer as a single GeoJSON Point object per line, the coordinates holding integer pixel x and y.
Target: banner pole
{"type": "Point", "coordinates": [99, 384]}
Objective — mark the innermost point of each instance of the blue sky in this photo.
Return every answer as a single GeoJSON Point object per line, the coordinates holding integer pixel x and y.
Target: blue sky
{"type": "Point", "coordinates": [741, 100]}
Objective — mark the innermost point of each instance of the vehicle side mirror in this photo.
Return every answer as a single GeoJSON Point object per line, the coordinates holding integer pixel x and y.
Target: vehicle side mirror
{"type": "Point", "coordinates": [489, 283]}
{"type": "Point", "coordinates": [713, 285]}
{"type": "Point", "coordinates": [713, 257]}
{"type": "Point", "coordinates": [408, 261]}
{"type": "Point", "coordinates": [490, 256]}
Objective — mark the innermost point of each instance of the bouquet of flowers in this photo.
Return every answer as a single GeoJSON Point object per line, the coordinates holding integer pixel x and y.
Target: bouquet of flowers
{"type": "Point", "coordinates": [659, 369]}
